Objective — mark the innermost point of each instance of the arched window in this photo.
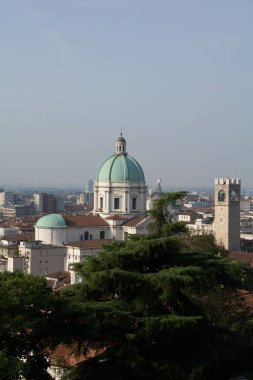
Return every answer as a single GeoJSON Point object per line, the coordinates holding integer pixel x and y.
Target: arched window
{"type": "Point", "coordinates": [86, 235]}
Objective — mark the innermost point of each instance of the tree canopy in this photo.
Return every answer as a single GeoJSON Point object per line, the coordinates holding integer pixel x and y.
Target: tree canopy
{"type": "Point", "coordinates": [164, 223]}
{"type": "Point", "coordinates": [163, 306]}
{"type": "Point", "coordinates": [154, 312]}
{"type": "Point", "coordinates": [26, 320]}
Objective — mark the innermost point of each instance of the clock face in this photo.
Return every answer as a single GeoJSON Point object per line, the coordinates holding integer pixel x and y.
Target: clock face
{"type": "Point", "coordinates": [221, 195]}
{"type": "Point", "coordinates": [221, 219]}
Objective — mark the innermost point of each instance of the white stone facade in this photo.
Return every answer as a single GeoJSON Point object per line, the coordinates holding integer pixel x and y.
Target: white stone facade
{"type": "Point", "coordinates": [60, 236]}
{"type": "Point", "coordinates": [131, 196]}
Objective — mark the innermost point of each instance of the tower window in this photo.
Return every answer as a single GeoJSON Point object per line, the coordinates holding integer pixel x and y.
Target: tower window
{"type": "Point", "coordinates": [134, 203]}
{"type": "Point", "coordinates": [101, 203]}
{"type": "Point", "coordinates": [221, 196]}
{"type": "Point", "coordinates": [86, 235]}
{"type": "Point", "coordinates": [116, 203]}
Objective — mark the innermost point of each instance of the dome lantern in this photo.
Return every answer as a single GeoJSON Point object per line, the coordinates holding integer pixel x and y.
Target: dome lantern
{"type": "Point", "coordinates": [120, 145]}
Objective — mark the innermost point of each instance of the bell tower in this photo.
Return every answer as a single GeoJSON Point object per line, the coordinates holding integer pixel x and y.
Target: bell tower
{"type": "Point", "coordinates": [227, 212]}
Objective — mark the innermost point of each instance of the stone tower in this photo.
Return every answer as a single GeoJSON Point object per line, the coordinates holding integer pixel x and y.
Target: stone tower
{"type": "Point", "coordinates": [227, 212]}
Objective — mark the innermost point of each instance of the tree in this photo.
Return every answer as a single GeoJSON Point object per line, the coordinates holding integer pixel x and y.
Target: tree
{"type": "Point", "coordinates": [26, 326]}
{"type": "Point", "coordinates": [164, 223]}
{"type": "Point", "coordinates": [202, 242]}
{"type": "Point", "coordinates": [159, 307]}
{"type": "Point", "coordinates": [154, 312]}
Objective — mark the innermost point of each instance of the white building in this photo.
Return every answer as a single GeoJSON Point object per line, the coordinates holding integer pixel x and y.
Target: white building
{"type": "Point", "coordinates": [6, 198]}
{"type": "Point", "coordinates": [38, 202]}
{"type": "Point", "coordinates": [77, 251]}
{"type": "Point", "coordinates": [38, 259]}
{"type": "Point", "coordinates": [184, 217]}
{"type": "Point", "coordinates": [201, 226]}
{"type": "Point", "coordinates": [119, 198]}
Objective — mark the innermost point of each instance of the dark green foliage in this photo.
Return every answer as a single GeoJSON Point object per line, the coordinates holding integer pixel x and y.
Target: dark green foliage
{"type": "Point", "coordinates": [157, 312]}
{"type": "Point", "coordinates": [26, 308]}
{"type": "Point", "coordinates": [10, 367]}
{"type": "Point", "coordinates": [164, 223]}
{"type": "Point", "coordinates": [203, 242]}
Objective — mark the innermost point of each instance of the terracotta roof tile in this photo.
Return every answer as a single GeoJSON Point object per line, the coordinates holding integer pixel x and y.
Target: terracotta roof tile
{"type": "Point", "coordinates": [65, 356]}
{"type": "Point", "coordinates": [18, 238]}
{"type": "Point", "coordinates": [134, 221]}
{"type": "Point", "coordinates": [248, 297]}
{"type": "Point", "coordinates": [85, 221]}
{"type": "Point", "coordinates": [64, 275]}
{"type": "Point", "coordinates": [116, 217]}
{"type": "Point", "coordinates": [242, 256]}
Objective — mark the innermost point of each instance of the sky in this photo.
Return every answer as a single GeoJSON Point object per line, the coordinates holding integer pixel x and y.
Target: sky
{"type": "Point", "coordinates": [175, 76]}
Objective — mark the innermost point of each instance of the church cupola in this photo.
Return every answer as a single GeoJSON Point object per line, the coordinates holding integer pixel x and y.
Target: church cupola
{"type": "Point", "coordinates": [120, 184]}
{"type": "Point", "coordinates": [120, 145]}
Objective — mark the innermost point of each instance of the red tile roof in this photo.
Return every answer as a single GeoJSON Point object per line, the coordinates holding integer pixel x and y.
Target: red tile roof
{"type": "Point", "coordinates": [22, 237]}
{"type": "Point", "coordinates": [64, 275]}
{"type": "Point", "coordinates": [85, 221]}
{"type": "Point", "coordinates": [116, 217]}
{"type": "Point", "coordinates": [134, 221]}
{"type": "Point", "coordinates": [64, 356]}
{"type": "Point", "coordinates": [67, 356]}
{"type": "Point", "coordinates": [248, 297]}
{"type": "Point", "coordinates": [242, 256]}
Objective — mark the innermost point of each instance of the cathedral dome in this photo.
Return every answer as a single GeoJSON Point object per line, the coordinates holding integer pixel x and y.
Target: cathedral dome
{"type": "Point", "coordinates": [120, 168]}
{"type": "Point", "coordinates": [120, 184]}
{"type": "Point", "coordinates": [51, 221]}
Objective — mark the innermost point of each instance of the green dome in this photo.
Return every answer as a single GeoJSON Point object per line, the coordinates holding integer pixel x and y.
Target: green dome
{"type": "Point", "coordinates": [120, 168]}
{"type": "Point", "coordinates": [51, 221]}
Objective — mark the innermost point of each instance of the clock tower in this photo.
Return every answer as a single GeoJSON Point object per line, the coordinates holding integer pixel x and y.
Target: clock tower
{"type": "Point", "coordinates": [227, 212]}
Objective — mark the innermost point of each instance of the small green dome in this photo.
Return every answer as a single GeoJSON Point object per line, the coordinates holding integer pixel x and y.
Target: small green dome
{"type": "Point", "coordinates": [120, 168]}
{"type": "Point", "coordinates": [51, 221]}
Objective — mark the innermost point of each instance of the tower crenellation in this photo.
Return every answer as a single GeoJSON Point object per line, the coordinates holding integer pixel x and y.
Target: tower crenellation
{"type": "Point", "coordinates": [227, 181]}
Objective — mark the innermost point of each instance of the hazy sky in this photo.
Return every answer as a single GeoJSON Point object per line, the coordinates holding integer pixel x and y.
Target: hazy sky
{"type": "Point", "coordinates": [175, 75]}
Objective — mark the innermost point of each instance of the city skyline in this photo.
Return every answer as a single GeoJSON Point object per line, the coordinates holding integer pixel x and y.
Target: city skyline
{"type": "Point", "coordinates": [174, 77]}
